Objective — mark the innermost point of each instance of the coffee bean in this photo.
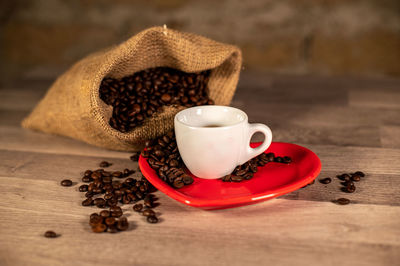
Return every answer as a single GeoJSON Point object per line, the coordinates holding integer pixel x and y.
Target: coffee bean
{"type": "Point", "coordinates": [110, 221]}
{"type": "Point", "coordinates": [99, 202]}
{"type": "Point", "coordinates": [105, 213]}
{"type": "Point", "coordinates": [148, 212]}
{"type": "Point", "coordinates": [350, 188]}
{"type": "Point", "coordinates": [343, 201]}
{"type": "Point", "coordinates": [166, 97]}
{"type": "Point", "coordinates": [137, 207]}
{"type": "Point", "coordinates": [117, 174]}
{"type": "Point", "coordinates": [122, 224]}
{"type": "Point", "coordinates": [152, 219]}
{"type": "Point", "coordinates": [66, 183]}
{"type": "Point", "coordinates": [112, 229]}
{"type": "Point", "coordinates": [355, 177]}
{"type": "Point", "coordinates": [240, 172]}
{"type": "Point", "coordinates": [105, 164]}
{"type": "Point", "coordinates": [178, 184]}
{"type": "Point", "coordinates": [325, 180]}
{"type": "Point", "coordinates": [87, 173]}
{"type": "Point", "coordinates": [50, 234]}
{"type": "Point", "coordinates": [87, 202]}
{"type": "Point", "coordinates": [347, 183]}
{"type": "Point", "coordinates": [93, 215]}
{"type": "Point", "coordinates": [83, 188]}
{"type": "Point", "coordinates": [95, 220]}
{"type": "Point", "coordinates": [187, 180]}
{"type": "Point", "coordinates": [226, 178]}
{"type": "Point", "coordinates": [344, 177]}
{"type": "Point", "coordinates": [236, 178]}
{"type": "Point", "coordinates": [359, 173]}
{"type": "Point", "coordinates": [287, 159]}
{"type": "Point", "coordinates": [87, 179]}
{"type": "Point", "coordinates": [115, 209]}
{"type": "Point", "coordinates": [99, 228]}
{"type": "Point", "coordinates": [270, 157]}
{"type": "Point", "coordinates": [278, 159]}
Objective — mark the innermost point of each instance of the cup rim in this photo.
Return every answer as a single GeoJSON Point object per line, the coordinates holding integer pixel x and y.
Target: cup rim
{"type": "Point", "coordinates": [209, 107]}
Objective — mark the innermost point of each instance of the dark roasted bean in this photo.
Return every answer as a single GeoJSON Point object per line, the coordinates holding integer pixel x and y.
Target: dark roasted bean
{"type": "Point", "coordinates": [105, 213]}
{"type": "Point", "coordinates": [117, 174]}
{"type": "Point", "coordinates": [325, 180]}
{"type": "Point", "coordinates": [87, 173]}
{"type": "Point", "coordinates": [87, 202]}
{"type": "Point", "coordinates": [104, 164]}
{"type": "Point", "coordinates": [152, 219]}
{"type": "Point", "coordinates": [50, 234]}
{"type": "Point", "coordinates": [355, 177]}
{"type": "Point", "coordinates": [178, 184]}
{"type": "Point", "coordinates": [83, 188]}
{"type": "Point", "coordinates": [87, 179]}
{"type": "Point", "coordinates": [122, 224]}
{"type": "Point", "coordinates": [66, 183]}
{"type": "Point", "coordinates": [344, 177]}
{"type": "Point", "coordinates": [350, 188]}
{"type": "Point", "coordinates": [99, 202]}
{"type": "Point", "coordinates": [270, 157]}
{"type": "Point", "coordinates": [359, 173]}
{"type": "Point", "coordinates": [237, 178]}
{"type": "Point", "coordinates": [110, 221]}
{"type": "Point", "coordinates": [137, 207]}
{"type": "Point", "coordinates": [148, 212]}
{"type": "Point", "coordinates": [342, 201]}
{"type": "Point", "coordinates": [287, 159]}
{"type": "Point", "coordinates": [99, 228]}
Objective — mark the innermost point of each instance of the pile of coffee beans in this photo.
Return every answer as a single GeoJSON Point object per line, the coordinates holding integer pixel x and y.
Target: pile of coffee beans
{"type": "Point", "coordinates": [248, 169]}
{"type": "Point", "coordinates": [136, 97]}
{"type": "Point", "coordinates": [107, 189]}
{"type": "Point", "coordinates": [163, 156]}
{"type": "Point", "coordinates": [348, 180]}
{"type": "Point", "coordinates": [110, 221]}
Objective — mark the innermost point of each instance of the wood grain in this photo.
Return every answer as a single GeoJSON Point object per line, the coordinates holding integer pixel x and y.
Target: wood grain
{"type": "Point", "coordinates": [350, 123]}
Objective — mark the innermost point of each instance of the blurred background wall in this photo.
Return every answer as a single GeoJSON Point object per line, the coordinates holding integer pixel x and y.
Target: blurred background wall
{"type": "Point", "coordinates": [324, 37]}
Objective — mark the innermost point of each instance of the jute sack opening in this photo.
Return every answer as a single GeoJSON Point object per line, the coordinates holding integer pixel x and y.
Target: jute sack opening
{"type": "Point", "coordinates": [72, 106]}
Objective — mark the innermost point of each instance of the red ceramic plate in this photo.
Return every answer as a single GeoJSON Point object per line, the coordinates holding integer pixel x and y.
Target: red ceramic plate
{"type": "Point", "coordinates": [270, 181]}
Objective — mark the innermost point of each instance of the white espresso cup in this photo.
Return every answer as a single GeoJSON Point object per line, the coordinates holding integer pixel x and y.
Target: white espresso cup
{"type": "Point", "coordinates": [213, 140]}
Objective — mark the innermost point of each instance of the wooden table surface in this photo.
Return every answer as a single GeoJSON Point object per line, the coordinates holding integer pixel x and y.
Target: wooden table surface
{"type": "Point", "coordinates": [350, 123]}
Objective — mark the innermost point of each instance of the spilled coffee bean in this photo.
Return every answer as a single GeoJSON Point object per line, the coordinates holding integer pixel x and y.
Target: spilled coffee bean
{"type": "Point", "coordinates": [325, 180]}
{"type": "Point", "coordinates": [50, 234]}
{"type": "Point", "coordinates": [152, 219]}
{"type": "Point", "coordinates": [104, 164]}
{"type": "Point", "coordinates": [342, 201]}
{"type": "Point", "coordinates": [66, 183]}
{"type": "Point", "coordinates": [107, 189]}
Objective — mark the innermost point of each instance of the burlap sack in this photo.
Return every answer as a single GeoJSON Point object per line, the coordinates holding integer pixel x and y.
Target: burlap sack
{"type": "Point", "coordinates": [72, 106]}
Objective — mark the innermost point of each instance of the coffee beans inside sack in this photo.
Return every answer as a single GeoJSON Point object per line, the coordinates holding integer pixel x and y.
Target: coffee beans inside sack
{"type": "Point", "coordinates": [120, 97]}
{"type": "Point", "coordinates": [139, 96]}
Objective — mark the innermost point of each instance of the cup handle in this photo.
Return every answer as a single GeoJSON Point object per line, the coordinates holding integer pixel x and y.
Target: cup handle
{"type": "Point", "coordinates": [249, 152]}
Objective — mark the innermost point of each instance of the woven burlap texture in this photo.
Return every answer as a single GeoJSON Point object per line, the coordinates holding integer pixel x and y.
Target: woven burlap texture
{"type": "Point", "coordinates": [72, 107]}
